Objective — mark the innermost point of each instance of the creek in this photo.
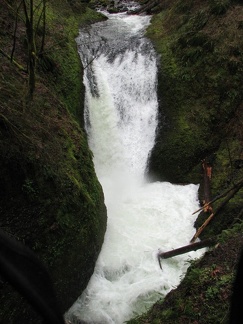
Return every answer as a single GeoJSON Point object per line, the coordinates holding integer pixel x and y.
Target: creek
{"type": "Point", "coordinates": [121, 111]}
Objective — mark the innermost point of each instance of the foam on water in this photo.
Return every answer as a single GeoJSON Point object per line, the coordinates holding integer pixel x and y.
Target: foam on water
{"type": "Point", "coordinates": [143, 218]}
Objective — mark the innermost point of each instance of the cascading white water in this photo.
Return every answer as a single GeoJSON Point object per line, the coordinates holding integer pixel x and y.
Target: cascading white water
{"type": "Point", "coordinates": [121, 119]}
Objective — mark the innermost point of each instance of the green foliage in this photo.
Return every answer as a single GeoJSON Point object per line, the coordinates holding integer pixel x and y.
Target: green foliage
{"type": "Point", "coordinates": [200, 94]}
{"type": "Point", "coordinates": [228, 233]}
{"type": "Point", "coordinates": [183, 6]}
{"type": "Point", "coordinates": [60, 62]}
{"type": "Point", "coordinates": [29, 189]}
{"type": "Point", "coordinates": [50, 196]}
{"type": "Point", "coordinates": [195, 97]}
{"type": "Point", "coordinates": [220, 7]}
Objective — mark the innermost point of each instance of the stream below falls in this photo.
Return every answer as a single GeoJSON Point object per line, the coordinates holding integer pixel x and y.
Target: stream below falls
{"type": "Point", "coordinates": [144, 218]}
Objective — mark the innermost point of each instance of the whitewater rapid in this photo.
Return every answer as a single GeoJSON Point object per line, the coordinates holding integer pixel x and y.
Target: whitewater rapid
{"type": "Point", "coordinates": [144, 218]}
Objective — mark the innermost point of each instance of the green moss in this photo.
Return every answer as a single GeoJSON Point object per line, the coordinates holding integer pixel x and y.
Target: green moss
{"type": "Point", "coordinates": [50, 196]}
{"type": "Point", "coordinates": [196, 99]}
{"type": "Point", "coordinates": [220, 7]}
{"type": "Point", "coordinates": [200, 107]}
{"type": "Point", "coordinates": [62, 53]}
{"type": "Point", "coordinates": [205, 292]}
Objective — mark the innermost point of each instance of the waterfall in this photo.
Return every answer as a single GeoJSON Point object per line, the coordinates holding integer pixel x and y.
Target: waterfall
{"type": "Point", "coordinates": [121, 119]}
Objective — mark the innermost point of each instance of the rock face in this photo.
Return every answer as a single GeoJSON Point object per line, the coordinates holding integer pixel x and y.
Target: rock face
{"type": "Point", "coordinates": [50, 198]}
{"type": "Point", "coordinates": [53, 203]}
{"type": "Point", "coordinates": [200, 87]}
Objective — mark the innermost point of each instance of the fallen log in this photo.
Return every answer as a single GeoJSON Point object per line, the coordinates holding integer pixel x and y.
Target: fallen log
{"type": "Point", "coordinates": [231, 194]}
{"type": "Point", "coordinates": [207, 175]}
{"type": "Point", "coordinates": [219, 196]}
{"type": "Point", "coordinates": [186, 249]}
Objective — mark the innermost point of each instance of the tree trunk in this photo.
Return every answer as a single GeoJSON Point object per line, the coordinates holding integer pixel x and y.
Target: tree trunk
{"type": "Point", "coordinates": [186, 249]}
{"type": "Point", "coordinates": [30, 33]}
{"type": "Point", "coordinates": [15, 32]}
{"type": "Point", "coordinates": [44, 27]}
{"type": "Point", "coordinates": [207, 174]}
{"type": "Point", "coordinates": [231, 194]}
{"type": "Point", "coordinates": [219, 196]}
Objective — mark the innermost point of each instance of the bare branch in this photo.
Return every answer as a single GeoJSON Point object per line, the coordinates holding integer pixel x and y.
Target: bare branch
{"type": "Point", "coordinates": [218, 197]}
{"type": "Point", "coordinates": [231, 194]}
{"type": "Point", "coordinates": [13, 61]}
{"type": "Point", "coordinates": [15, 31]}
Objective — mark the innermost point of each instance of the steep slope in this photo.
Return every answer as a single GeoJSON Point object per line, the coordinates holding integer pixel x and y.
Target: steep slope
{"type": "Point", "coordinates": [50, 198]}
{"type": "Point", "coordinates": [200, 84]}
{"type": "Point", "coordinates": [200, 90]}
{"type": "Point", "coordinates": [200, 48]}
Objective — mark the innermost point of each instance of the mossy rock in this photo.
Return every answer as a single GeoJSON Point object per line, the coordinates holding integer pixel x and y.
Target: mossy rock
{"type": "Point", "coordinates": [50, 197]}
{"type": "Point", "coordinates": [199, 46]}
{"type": "Point", "coordinates": [199, 87]}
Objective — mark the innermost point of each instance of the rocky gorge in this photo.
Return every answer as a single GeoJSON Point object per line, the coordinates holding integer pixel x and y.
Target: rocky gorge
{"type": "Point", "coordinates": [51, 199]}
